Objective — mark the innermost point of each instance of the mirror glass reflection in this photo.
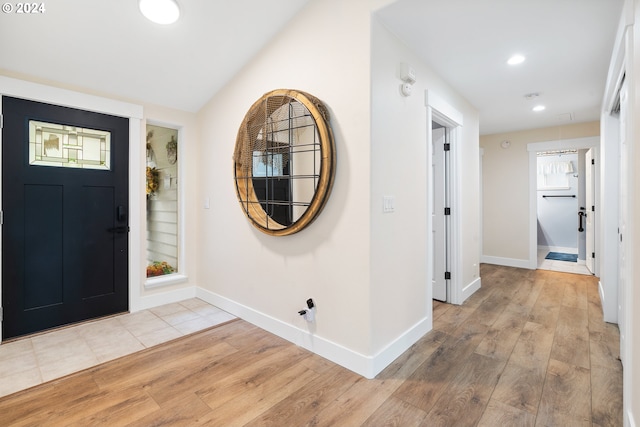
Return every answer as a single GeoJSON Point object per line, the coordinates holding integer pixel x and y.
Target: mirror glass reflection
{"type": "Point", "coordinates": [284, 161]}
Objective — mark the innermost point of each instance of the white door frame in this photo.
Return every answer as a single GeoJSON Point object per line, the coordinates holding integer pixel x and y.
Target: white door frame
{"type": "Point", "coordinates": [41, 93]}
{"type": "Point", "coordinates": [622, 65]}
{"type": "Point", "coordinates": [533, 148]}
{"type": "Point", "coordinates": [609, 167]}
{"type": "Point", "coordinates": [440, 223]}
{"type": "Point", "coordinates": [589, 201]}
{"type": "Point", "coordinates": [439, 111]}
{"type": "Point", "coordinates": [624, 232]}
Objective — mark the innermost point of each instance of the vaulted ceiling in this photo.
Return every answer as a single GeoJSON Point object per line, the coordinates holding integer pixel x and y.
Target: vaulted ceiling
{"type": "Point", "coordinates": [108, 47]}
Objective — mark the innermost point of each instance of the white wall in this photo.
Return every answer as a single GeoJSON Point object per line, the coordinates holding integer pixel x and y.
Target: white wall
{"type": "Point", "coordinates": [470, 193]}
{"type": "Point", "coordinates": [632, 367]}
{"type": "Point", "coordinates": [399, 276]}
{"type": "Point", "coordinates": [400, 279]}
{"type": "Point", "coordinates": [325, 51]}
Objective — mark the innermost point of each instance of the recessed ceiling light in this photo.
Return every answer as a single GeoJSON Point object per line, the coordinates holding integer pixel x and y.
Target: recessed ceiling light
{"type": "Point", "coordinates": [160, 11]}
{"type": "Point", "coordinates": [516, 59]}
{"type": "Point", "coordinates": [538, 108]}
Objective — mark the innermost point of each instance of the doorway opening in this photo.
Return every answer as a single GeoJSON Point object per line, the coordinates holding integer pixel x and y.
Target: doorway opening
{"type": "Point", "coordinates": [441, 211]}
{"type": "Point", "coordinates": [10, 87]}
{"type": "Point", "coordinates": [563, 190]}
{"type": "Point", "coordinates": [565, 210]}
{"type": "Point", "coordinates": [444, 219]}
{"type": "Point", "coordinates": [65, 196]}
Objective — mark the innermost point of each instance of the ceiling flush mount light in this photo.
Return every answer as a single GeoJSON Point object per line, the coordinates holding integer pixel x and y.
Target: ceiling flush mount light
{"type": "Point", "coordinates": [516, 59]}
{"type": "Point", "coordinates": [160, 11]}
{"type": "Point", "coordinates": [538, 108]}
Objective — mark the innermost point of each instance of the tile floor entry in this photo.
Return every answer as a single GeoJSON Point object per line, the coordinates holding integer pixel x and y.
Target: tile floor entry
{"type": "Point", "coordinates": [40, 358]}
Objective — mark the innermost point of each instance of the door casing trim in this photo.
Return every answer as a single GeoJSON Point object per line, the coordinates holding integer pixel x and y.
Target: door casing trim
{"type": "Point", "coordinates": [533, 148]}
{"type": "Point", "coordinates": [443, 113]}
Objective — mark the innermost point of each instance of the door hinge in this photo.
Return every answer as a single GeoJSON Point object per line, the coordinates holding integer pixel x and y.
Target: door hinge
{"type": "Point", "coordinates": [447, 275]}
{"type": "Point", "coordinates": [1, 121]}
{"type": "Point", "coordinates": [447, 146]}
{"type": "Point", "coordinates": [447, 211]}
{"type": "Point", "coordinates": [593, 161]}
{"type": "Point", "coordinates": [593, 254]}
{"type": "Point", "coordinates": [1, 217]}
{"type": "Point", "coordinates": [1, 314]}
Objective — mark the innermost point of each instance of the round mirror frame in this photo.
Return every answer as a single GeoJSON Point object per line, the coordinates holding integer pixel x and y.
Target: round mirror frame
{"type": "Point", "coordinates": [244, 185]}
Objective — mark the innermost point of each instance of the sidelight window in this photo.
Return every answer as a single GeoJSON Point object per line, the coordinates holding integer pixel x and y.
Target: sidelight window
{"type": "Point", "coordinates": [162, 201]}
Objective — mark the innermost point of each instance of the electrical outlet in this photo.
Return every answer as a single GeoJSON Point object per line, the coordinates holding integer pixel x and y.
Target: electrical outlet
{"type": "Point", "coordinates": [309, 313]}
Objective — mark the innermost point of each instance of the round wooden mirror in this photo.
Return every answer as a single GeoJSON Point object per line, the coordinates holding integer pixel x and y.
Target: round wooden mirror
{"type": "Point", "coordinates": [284, 161]}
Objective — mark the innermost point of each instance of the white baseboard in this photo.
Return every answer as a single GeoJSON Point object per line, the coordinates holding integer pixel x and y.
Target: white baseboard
{"type": "Point", "coordinates": [601, 292]}
{"type": "Point", "coordinates": [507, 262]}
{"type": "Point", "coordinates": [303, 336]}
{"type": "Point", "coordinates": [561, 249]}
{"type": "Point", "coordinates": [468, 290]}
{"type": "Point", "coordinates": [155, 300]}
{"type": "Point", "coordinates": [609, 316]}
{"type": "Point", "coordinates": [401, 344]}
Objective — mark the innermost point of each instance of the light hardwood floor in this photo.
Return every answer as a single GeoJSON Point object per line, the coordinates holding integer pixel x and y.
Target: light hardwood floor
{"type": "Point", "coordinates": [528, 349]}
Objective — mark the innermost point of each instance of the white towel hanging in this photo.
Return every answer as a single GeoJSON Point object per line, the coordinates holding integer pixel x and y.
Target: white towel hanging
{"type": "Point", "coordinates": [565, 167]}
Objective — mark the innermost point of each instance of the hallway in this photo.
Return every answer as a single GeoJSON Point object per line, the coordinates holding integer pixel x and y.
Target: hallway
{"type": "Point", "coordinates": [528, 349]}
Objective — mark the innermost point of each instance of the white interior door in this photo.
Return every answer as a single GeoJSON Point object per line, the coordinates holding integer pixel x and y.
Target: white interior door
{"type": "Point", "coordinates": [622, 222]}
{"type": "Point", "coordinates": [589, 182]}
{"type": "Point", "coordinates": [438, 218]}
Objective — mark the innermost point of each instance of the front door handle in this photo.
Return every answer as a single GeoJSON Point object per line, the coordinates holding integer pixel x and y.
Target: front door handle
{"type": "Point", "coordinates": [121, 213]}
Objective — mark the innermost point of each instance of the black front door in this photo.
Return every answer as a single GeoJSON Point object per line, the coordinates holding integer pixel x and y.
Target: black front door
{"type": "Point", "coordinates": [65, 207]}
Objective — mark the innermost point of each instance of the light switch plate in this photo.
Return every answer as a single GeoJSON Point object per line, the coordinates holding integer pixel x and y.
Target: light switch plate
{"type": "Point", "coordinates": [388, 204]}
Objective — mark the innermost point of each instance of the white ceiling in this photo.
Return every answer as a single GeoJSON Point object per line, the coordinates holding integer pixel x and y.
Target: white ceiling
{"type": "Point", "coordinates": [567, 43]}
{"type": "Point", "coordinates": [108, 47]}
